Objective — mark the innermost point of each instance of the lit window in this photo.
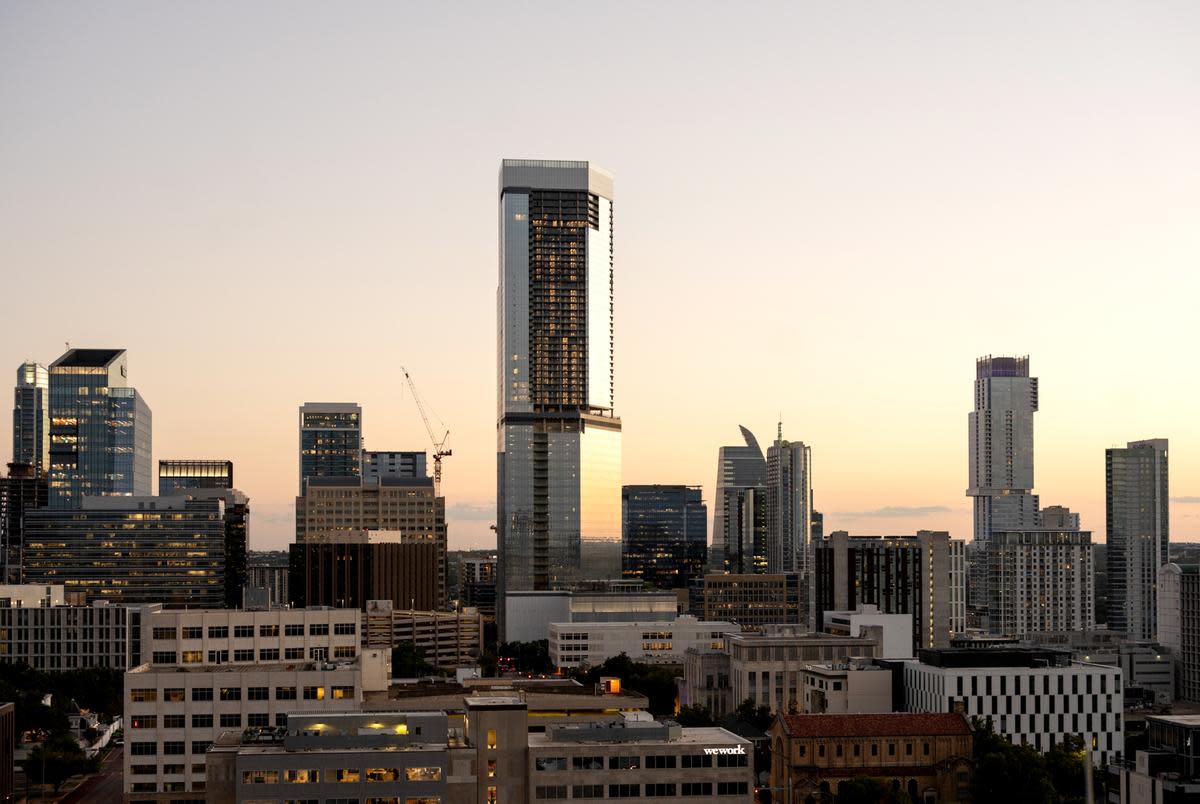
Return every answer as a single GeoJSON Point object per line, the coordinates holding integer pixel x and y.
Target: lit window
{"type": "Point", "coordinates": [491, 738]}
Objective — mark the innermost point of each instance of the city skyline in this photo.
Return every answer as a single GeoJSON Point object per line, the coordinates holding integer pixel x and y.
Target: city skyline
{"type": "Point", "coordinates": [1021, 188]}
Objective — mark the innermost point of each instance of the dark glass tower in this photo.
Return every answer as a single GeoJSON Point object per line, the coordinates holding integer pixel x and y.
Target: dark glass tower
{"type": "Point", "coordinates": [1137, 515]}
{"type": "Point", "coordinates": [664, 534]}
{"type": "Point", "coordinates": [559, 451]}
{"type": "Point", "coordinates": [330, 440]}
{"type": "Point", "coordinates": [179, 477]}
{"type": "Point", "coordinates": [100, 439]}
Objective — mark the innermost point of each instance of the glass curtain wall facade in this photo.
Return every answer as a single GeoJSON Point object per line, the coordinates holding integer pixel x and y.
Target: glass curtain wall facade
{"type": "Point", "coordinates": [1137, 516]}
{"type": "Point", "coordinates": [738, 467]}
{"type": "Point", "coordinates": [664, 534]}
{"type": "Point", "coordinates": [559, 442]}
{"type": "Point", "coordinates": [330, 440]}
{"type": "Point", "coordinates": [31, 417]}
{"type": "Point", "coordinates": [789, 504]}
{"type": "Point", "coordinates": [178, 477]}
{"type": "Point", "coordinates": [100, 429]}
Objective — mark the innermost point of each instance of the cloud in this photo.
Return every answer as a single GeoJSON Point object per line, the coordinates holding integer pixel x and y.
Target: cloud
{"type": "Point", "coordinates": [471, 512]}
{"type": "Point", "coordinates": [898, 510]}
{"type": "Point", "coordinates": [1186, 500]}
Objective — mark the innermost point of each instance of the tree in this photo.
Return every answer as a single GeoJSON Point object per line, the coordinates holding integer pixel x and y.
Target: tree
{"type": "Point", "coordinates": [408, 661]}
{"type": "Point", "coordinates": [528, 657]}
{"type": "Point", "coordinates": [694, 715]}
{"type": "Point", "coordinates": [1064, 763]}
{"type": "Point", "coordinates": [56, 760]}
{"type": "Point", "coordinates": [656, 682]}
{"type": "Point", "coordinates": [757, 715]}
{"type": "Point", "coordinates": [865, 790]}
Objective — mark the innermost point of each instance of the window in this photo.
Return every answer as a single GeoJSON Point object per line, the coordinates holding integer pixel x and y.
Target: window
{"type": "Point", "coordinates": [624, 763]}
{"type": "Point", "coordinates": [173, 747]}
{"type": "Point", "coordinates": [163, 657]}
{"type": "Point", "coordinates": [193, 656]}
{"type": "Point", "coordinates": [285, 693]}
{"type": "Point", "coordinates": [231, 693]}
{"type": "Point", "coordinates": [198, 768]}
{"type": "Point", "coordinates": [587, 791]}
{"type": "Point", "coordinates": [281, 718]}
{"type": "Point", "coordinates": [268, 655]}
{"type": "Point", "coordinates": [218, 656]}
{"type": "Point", "coordinates": [314, 693]}
{"type": "Point", "coordinates": [491, 741]}
{"type": "Point", "coordinates": [143, 749]}
{"type": "Point", "coordinates": [173, 694]}
{"type": "Point", "coordinates": [550, 791]}
{"type": "Point", "coordinates": [491, 769]}
{"type": "Point", "coordinates": [346, 775]}
{"type": "Point", "coordinates": [202, 694]}
{"type": "Point", "coordinates": [661, 789]}
{"type": "Point", "coordinates": [735, 760]}
{"type": "Point", "coordinates": [144, 787]}
{"type": "Point", "coordinates": [624, 790]}
{"type": "Point", "coordinates": [143, 722]}
{"type": "Point", "coordinates": [293, 653]}
{"type": "Point", "coordinates": [731, 788]}
{"type": "Point", "coordinates": [345, 629]}
{"type": "Point", "coordinates": [164, 633]}
{"type": "Point", "coordinates": [202, 721]}
{"type": "Point", "coordinates": [295, 776]}
{"type": "Point", "coordinates": [260, 777]}
{"type": "Point", "coordinates": [696, 761]}
{"type": "Point", "coordinates": [550, 763]}
{"type": "Point", "coordinates": [244, 655]}
{"type": "Point", "coordinates": [382, 774]}
{"type": "Point", "coordinates": [294, 629]}
{"type": "Point", "coordinates": [428, 773]}
{"type": "Point", "coordinates": [318, 629]}
{"type": "Point", "coordinates": [174, 721]}
{"type": "Point", "coordinates": [268, 630]}
{"type": "Point", "coordinates": [143, 770]}
{"type": "Point", "coordinates": [193, 632]}
{"type": "Point", "coordinates": [231, 720]}
{"type": "Point", "coordinates": [243, 631]}
{"type": "Point", "coordinates": [143, 695]}
{"type": "Point", "coordinates": [696, 789]}
{"type": "Point", "coordinates": [201, 746]}
{"type": "Point", "coordinates": [659, 761]}
{"type": "Point", "coordinates": [587, 763]}
{"type": "Point", "coordinates": [344, 652]}
{"type": "Point", "coordinates": [218, 632]}
{"type": "Point", "coordinates": [340, 693]}
{"type": "Point", "coordinates": [258, 693]}
{"type": "Point", "coordinates": [258, 720]}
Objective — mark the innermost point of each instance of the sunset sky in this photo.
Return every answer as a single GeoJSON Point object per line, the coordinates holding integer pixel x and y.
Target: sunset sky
{"type": "Point", "coordinates": [823, 212]}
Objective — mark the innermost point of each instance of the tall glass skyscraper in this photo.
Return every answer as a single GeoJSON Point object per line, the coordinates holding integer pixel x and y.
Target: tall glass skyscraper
{"type": "Point", "coordinates": [330, 440]}
{"type": "Point", "coordinates": [100, 439]}
{"type": "Point", "coordinates": [739, 468]}
{"type": "Point", "coordinates": [31, 417]}
{"type": "Point", "coordinates": [664, 534]}
{"type": "Point", "coordinates": [1137, 503]}
{"type": "Point", "coordinates": [559, 440]}
{"type": "Point", "coordinates": [789, 504]}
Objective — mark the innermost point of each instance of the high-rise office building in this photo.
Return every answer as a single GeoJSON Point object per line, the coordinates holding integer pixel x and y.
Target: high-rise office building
{"type": "Point", "coordinates": [1136, 513]}
{"type": "Point", "coordinates": [789, 504]}
{"type": "Point", "coordinates": [23, 490]}
{"type": "Point", "coordinates": [1178, 607]}
{"type": "Point", "coordinates": [330, 440]}
{"type": "Point", "coordinates": [376, 464]}
{"type": "Point", "coordinates": [738, 467]}
{"type": "Point", "coordinates": [559, 439]}
{"type": "Point", "coordinates": [181, 476]}
{"type": "Point", "coordinates": [100, 429]}
{"type": "Point", "coordinates": [746, 528]}
{"type": "Point", "coordinates": [664, 534]}
{"type": "Point", "coordinates": [168, 550]}
{"type": "Point", "coordinates": [899, 574]}
{"type": "Point", "coordinates": [31, 417]}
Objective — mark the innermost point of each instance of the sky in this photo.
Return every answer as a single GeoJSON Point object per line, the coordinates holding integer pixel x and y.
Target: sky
{"type": "Point", "coordinates": [824, 213]}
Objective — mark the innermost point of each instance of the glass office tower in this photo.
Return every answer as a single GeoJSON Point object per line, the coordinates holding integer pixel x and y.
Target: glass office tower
{"type": "Point", "coordinates": [330, 440]}
{"type": "Point", "coordinates": [559, 440]}
{"type": "Point", "coordinates": [180, 476]}
{"type": "Point", "coordinates": [664, 534]}
{"type": "Point", "coordinates": [739, 468]}
{"type": "Point", "coordinates": [1137, 513]}
{"type": "Point", "coordinates": [31, 417]}
{"type": "Point", "coordinates": [100, 429]}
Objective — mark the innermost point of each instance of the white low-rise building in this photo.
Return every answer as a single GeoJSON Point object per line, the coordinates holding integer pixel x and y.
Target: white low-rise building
{"type": "Point", "coordinates": [851, 687]}
{"type": "Point", "coordinates": [1032, 696]}
{"type": "Point", "coordinates": [591, 643]}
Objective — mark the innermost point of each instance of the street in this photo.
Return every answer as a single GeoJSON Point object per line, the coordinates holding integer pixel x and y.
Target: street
{"type": "Point", "coordinates": [102, 788]}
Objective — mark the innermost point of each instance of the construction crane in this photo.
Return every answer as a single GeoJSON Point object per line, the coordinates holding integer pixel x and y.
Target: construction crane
{"type": "Point", "coordinates": [439, 447]}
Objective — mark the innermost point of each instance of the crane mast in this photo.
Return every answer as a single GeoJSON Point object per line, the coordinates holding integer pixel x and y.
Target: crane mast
{"type": "Point", "coordinates": [439, 447]}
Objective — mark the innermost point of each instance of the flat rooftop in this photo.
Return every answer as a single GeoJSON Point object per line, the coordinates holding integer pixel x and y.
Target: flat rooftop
{"type": "Point", "coordinates": [650, 733]}
{"type": "Point", "coordinates": [254, 667]}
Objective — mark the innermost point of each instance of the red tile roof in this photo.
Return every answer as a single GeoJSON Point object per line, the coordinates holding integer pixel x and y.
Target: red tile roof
{"type": "Point", "coordinates": [895, 724]}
